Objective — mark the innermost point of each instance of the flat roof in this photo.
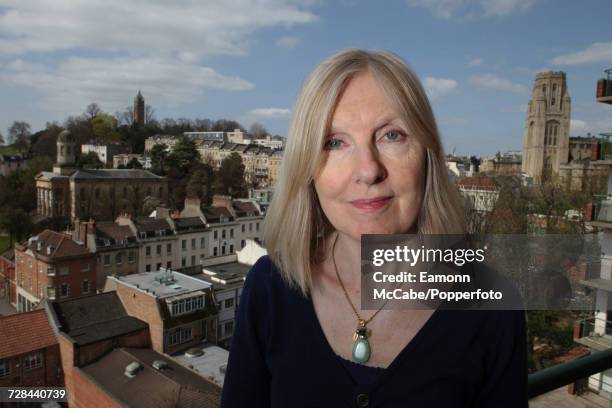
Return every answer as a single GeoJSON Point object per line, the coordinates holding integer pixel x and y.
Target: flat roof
{"type": "Point", "coordinates": [164, 283]}
{"type": "Point", "coordinates": [210, 365]}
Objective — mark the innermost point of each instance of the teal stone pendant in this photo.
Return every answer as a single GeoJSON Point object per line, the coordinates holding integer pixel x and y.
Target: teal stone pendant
{"type": "Point", "coordinates": [361, 346]}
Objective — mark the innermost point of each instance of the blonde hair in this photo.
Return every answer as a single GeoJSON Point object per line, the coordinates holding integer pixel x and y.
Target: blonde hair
{"type": "Point", "coordinates": [295, 225]}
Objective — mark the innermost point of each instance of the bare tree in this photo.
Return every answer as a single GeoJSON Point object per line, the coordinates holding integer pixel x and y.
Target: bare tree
{"type": "Point", "coordinates": [1, 139]}
{"type": "Point", "coordinates": [19, 132]}
{"type": "Point", "coordinates": [258, 131]}
{"type": "Point", "coordinates": [149, 114]}
{"type": "Point", "coordinates": [92, 110]}
{"type": "Point", "coordinates": [126, 117]}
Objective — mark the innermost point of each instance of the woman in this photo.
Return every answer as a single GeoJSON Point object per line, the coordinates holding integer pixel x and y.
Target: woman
{"type": "Point", "coordinates": [363, 156]}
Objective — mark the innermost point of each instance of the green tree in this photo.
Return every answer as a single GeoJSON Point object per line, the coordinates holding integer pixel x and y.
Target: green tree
{"type": "Point", "coordinates": [89, 160]}
{"type": "Point", "coordinates": [19, 135]}
{"type": "Point", "coordinates": [16, 222]}
{"type": "Point", "coordinates": [105, 127]}
{"type": "Point", "coordinates": [134, 164]}
{"type": "Point", "coordinates": [201, 183]}
{"type": "Point", "coordinates": [183, 155]}
{"type": "Point", "coordinates": [159, 157]}
{"type": "Point", "coordinates": [230, 176]}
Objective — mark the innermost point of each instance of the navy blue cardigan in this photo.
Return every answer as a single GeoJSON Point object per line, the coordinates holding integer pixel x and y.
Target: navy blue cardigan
{"type": "Point", "coordinates": [280, 357]}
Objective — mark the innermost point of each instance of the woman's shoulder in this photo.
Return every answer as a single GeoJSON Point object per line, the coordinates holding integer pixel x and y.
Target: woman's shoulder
{"type": "Point", "coordinates": [264, 276]}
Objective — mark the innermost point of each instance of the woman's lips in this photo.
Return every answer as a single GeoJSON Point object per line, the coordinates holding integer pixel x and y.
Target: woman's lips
{"type": "Point", "coordinates": [375, 203]}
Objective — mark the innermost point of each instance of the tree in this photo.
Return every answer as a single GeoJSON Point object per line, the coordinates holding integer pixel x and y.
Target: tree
{"type": "Point", "coordinates": [149, 114]}
{"type": "Point", "coordinates": [89, 160]}
{"type": "Point", "coordinates": [159, 156]}
{"type": "Point", "coordinates": [258, 131]}
{"type": "Point", "coordinates": [105, 127]}
{"type": "Point", "coordinates": [126, 117]}
{"type": "Point", "coordinates": [133, 164]}
{"type": "Point", "coordinates": [230, 177]}
{"type": "Point", "coordinates": [19, 134]}
{"type": "Point", "coordinates": [46, 143]}
{"type": "Point", "coordinates": [92, 111]}
{"type": "Point", "coordinates": [201, 182]}
{"type": "Point", "coordinates": [16, 222]}
{"type": "Point", "coordinates": [183, 155]}
{"type": "Point", "coordinates": [225, 125]}
{"type": "Point", "coordinates": [1, 139]}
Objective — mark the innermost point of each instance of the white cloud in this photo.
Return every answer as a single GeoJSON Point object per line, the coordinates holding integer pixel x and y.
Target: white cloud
{"type": "Point", "coordinates": [495, 82]}
{"type": "Point", "coordinates": [112, 81]}
{"type": "Point", "coordinates": [577, 126]}
{"type": "Point", "coordinates": [595, 53]}
{"type": "Point", "coordinates": [447, 9]}
{"type": "Point", "coordinates": [436, 87]}
{"type": "Point", "coordinates": [288, 42]}
{"type": "Point", "coordinates": [270, 113]}
{"type": "Point", "coordinates": [104, 50]}
{"type": "Point", "coordinates": [474, 62]}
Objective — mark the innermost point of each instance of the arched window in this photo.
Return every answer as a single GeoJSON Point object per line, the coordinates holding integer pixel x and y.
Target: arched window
{"type": "Point", "coordinates": [554, 94]}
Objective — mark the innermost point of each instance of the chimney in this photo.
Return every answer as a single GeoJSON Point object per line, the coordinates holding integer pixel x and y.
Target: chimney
{"type": "Point", "coordinates": [162, 213]}
{"type": "Point", "coordinates": [222, 201]}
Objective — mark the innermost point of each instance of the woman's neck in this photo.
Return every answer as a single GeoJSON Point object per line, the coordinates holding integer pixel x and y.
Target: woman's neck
{"type": "Point", "coordinates": [347, 256]}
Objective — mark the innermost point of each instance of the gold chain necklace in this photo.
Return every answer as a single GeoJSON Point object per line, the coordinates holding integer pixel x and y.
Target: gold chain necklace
{"type": "Point", "coordinates": [361, 346]}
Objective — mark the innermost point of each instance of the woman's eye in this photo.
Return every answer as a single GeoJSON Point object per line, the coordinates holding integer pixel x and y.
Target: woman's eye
{"type": "Point", "coordinates": [392, 135]}
{"type": "Point", "coordinates": [332, 143]}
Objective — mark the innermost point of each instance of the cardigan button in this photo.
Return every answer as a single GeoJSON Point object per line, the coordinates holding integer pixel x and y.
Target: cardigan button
{"type": "Point", "coordinates": [363, 401]}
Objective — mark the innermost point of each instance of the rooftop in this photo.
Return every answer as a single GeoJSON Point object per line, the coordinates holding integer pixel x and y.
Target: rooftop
{"type": "Point", "coordinates": [25, 332]}
{"type": "Point", "coordinates": [211, 364]}
{"type": "Point", "coordinates": [224, 276]}
{"type": "Point", "coordinates": [164, 283]}
{"type": "Point", "coordinates": [174, 385]}
{"type": "Point", "coordinates": [115, 174]}
{"type": "Point", "coordinates": [89, 319]}
{"type": "Point", "coordinates": [482, 183]}
{"type": "Point", "coordinates": [54, 245]}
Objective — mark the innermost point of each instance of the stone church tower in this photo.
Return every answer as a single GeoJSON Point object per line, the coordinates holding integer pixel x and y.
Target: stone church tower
{"type": "Point", "coordinates": [139, 109]}
{"type": "Point", "coordinates": [547, 126]}
{"type": "Point", "coordinates": [66, 154]}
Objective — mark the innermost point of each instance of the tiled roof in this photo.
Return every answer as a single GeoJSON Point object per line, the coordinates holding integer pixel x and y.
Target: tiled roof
{"type": "Point", "coordinates": [244, 208]}
{"type": "Point", "coordinates": [148, 224]}
{"type": "Point", "coordinates": [189, 223]}
{"type": "Point", "coordinates": [110, 230]}
{"type": "Point", "coordinates": [24, 333]}
{"type": "Point", "coordinates": [483, 183]}
{"type": "Point", "coordinates": [213, 214]}
{"type": "Point", "coordinates": [55, 245]}
{"type": "Point", "coordinates": [88, 319]}
{"type": "Point", "coordinates": [173, 386]}
{"type": "Point", "coordinates": [9, 254]}
{"type": "Point", "coordinates": [114, 174]}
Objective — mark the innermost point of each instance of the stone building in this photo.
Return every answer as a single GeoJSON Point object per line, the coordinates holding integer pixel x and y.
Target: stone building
{"type": "Point", "coordinates": [139, 109]}
{"type": "Point", "coordinates": [547, 125]}
{"type": "Point", "coordinates": [106, 151]}
{"type": "Point", "coordinates": [100, 194]}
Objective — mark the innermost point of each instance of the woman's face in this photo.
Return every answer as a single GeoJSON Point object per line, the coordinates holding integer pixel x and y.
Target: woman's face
{"type": "Point", "coordinates": [372, 177]}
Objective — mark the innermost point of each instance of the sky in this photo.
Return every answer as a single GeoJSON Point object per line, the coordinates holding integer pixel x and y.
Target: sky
{"type": "Point", "coordinates": [246, 59]}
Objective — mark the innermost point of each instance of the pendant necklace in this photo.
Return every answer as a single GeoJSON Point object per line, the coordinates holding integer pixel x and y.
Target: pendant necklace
{"type": "Point", "coordinates": [361, 346]}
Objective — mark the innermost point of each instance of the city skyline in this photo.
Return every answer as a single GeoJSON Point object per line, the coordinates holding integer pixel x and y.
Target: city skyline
{"type": "Point", "coordinates": [246, 60]}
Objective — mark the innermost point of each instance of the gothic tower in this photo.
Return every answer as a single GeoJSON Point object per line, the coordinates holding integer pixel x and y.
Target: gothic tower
{"type": "Point", "coordinates": [139, 109]}
{"type": "Point", "coordinates": [547, 126]}
{"type": "Point", "coordinates": [66, 154]}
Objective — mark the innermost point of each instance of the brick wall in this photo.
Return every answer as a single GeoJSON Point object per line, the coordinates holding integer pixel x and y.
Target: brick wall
{"type": "Point", "coordinates": [144, 306]}
{"type": "Point", "coordinates": [86, 394]}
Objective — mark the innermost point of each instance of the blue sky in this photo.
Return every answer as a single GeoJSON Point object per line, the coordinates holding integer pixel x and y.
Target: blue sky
{"type": "Point", "coordinates": [245, 60]}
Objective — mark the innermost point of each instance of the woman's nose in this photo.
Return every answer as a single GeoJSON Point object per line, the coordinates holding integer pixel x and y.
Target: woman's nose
{"type": "Point", "coordinates": [368, 168]}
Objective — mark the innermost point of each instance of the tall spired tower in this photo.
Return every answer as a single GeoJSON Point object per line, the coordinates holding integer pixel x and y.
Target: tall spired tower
{"type": "Point", "coordinates": [139, 109]}
{"type": "Point", "coordinates": [547, 127]}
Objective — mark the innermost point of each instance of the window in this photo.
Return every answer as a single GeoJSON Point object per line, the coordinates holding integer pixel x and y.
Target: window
{"type": "Point", "coordinates": [215, 251]}
{"type": "Point", "coordinates": [229, 327]}
{"type": "Point", "coordinates": [184, 262]}
{"type": "Point", "coordinates": [243, 228]}
{"type": "Point", "coordinates": [158, 266]}
{"type": "Point", "coordinates": [148, 268]}
{"type": "Point", "coordinates": [184, 244]}
{"type": "Point", "coordinates": [215, 234]}
{"type": "Point", "coordinates": [250, 227]}
{"type": "Point", "coordinates": [30, 263]}
{"type": "Point", "coordinates": [85, 286]}
{"type": "Point", "coordinates": [148, 250]}
{"type": "Point", "coordinates": [257, 227]}
{"type": "Point", "coordinates": [64, 270]}
{"type": "Point", "coordinates": [202, 242]}
{"type": "Point", "coordinates": [33, 360]}
{"type": "Point", "coordinates": [193, 243]}
{"type": "Point", "coordinates": [229, 303]}
{"type": "Point", "coordinates": [118, 259]}
{"type": "Point", "coordinates": [51, 292]}
{"type": "Point", "coordinates": [223, 250]}
{"type": "Point", "coordinates": [231, 233]}
{"type": "Point", "coordinates": [554, 94]}
{"type": "Point", "coordinates": [158, 249]}
{"type": "Point", "coordinates": [242, 243]}
{"type": "Point", "coordinates": [85, 267]}
{"type": "Point", "coordinates": [231, 248]}
{"type": "Point", "coordinates": [124, 192]}
{"type": "Point", "coordinates": [169, 249]}
{"type": "Point", "coordinates": [169, 265]}
{"type": "Point", "coordinates": [180, 335]}
{"type": "Point", "coordinates": [64, 290]}
{"type": "Point", "coordinates": [193, 260]}
{"type": "Point", "coordinates": [131, 257]}
{"type": "Point", "coordinates": [30, 281]}
{"type": "Point", "coordinates": [5, 368]}
{"type": "Point", "coordinates": [223, 234]}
